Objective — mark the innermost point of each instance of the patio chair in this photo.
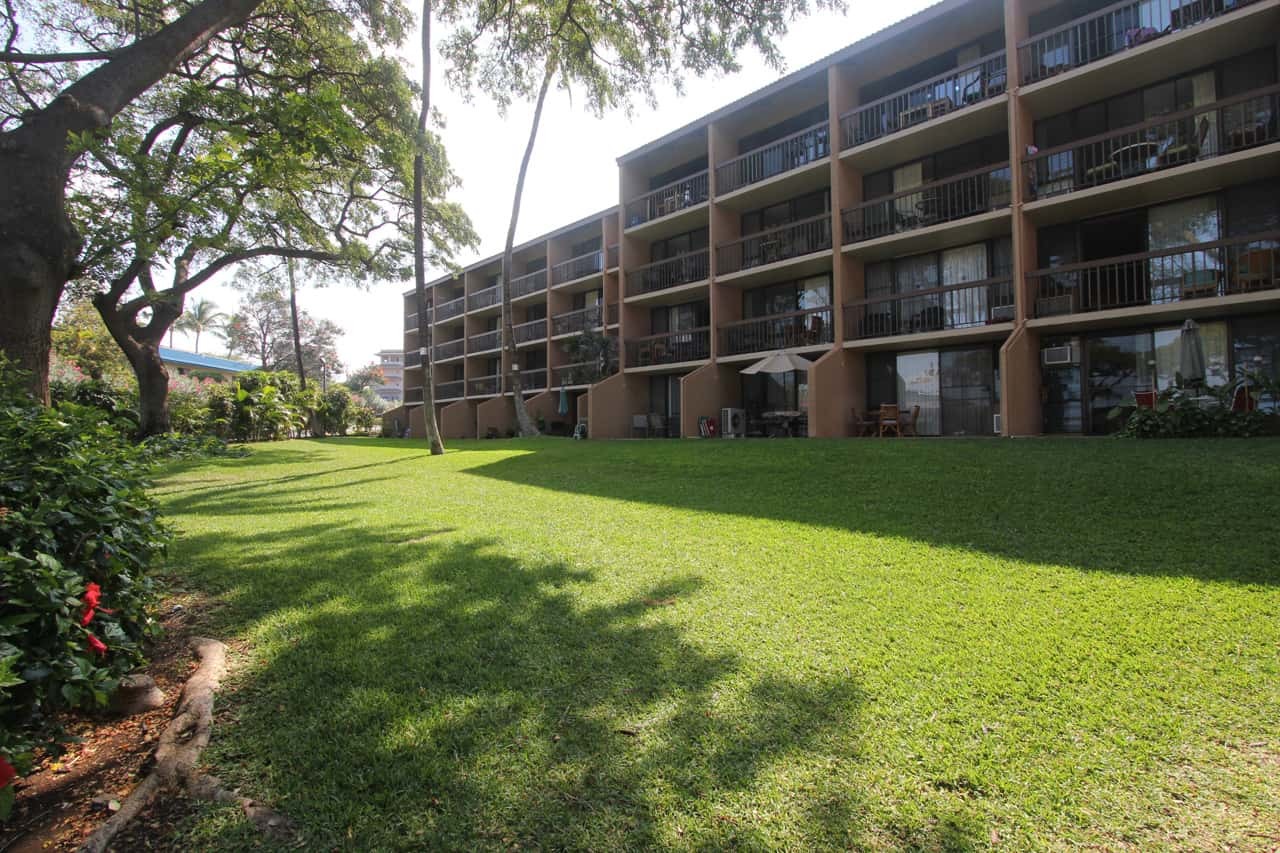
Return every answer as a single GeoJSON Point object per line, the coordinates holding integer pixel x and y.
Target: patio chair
{"type": "Point", "coordinates": [639, 426]}
{"type": "Point", "coordinates": [1145, 399]}
{"type": "Point", "coordinates": [657, 425]}
{"type": "Point", "coordinates": [864, 425]}
{"type": "Point", "coordinates": [909, 422]}
{"type": "Point", "coordinates": [890, 419]}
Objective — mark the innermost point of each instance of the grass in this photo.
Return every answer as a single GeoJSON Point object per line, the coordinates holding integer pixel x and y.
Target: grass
{"type": "Point", "coordinates": [937, 645]}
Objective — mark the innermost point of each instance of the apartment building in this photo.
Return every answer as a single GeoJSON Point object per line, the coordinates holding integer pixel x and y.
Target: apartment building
{"type": "Point", "coordinates": [1001, 212]}
{"type": "Point", "coordinates": [392, 363]}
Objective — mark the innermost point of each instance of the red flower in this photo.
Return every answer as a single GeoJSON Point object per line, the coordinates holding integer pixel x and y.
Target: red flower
{"type": "Point", "coordinates": [92, 596]}
{"type": "Point", "coordinates": [97, 646]}
{"type": "Point", "coordinates": [7, 773]}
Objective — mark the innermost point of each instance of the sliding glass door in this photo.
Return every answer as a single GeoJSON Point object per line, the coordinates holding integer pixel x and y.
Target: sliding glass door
{"type": "Point", "coordinates": [918, 386]}
{"type": "Point", "coordinates": [968, 392]}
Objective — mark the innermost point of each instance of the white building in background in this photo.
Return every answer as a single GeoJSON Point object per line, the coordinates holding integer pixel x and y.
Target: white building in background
{"type": "Point", "coordinates": [392, 363]}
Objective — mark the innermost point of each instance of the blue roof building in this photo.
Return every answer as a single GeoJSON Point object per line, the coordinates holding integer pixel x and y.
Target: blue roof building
{"type": "Point", "coordinates": [194, 362]}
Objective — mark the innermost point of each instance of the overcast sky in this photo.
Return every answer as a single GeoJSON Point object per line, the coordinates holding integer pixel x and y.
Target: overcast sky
{"type": "Point", "coordinates": [573, 172]}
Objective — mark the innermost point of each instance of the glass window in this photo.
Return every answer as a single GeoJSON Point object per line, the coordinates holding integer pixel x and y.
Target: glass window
{"type": "Point", "coordinates": [879, 279]}
{"type": "Point", "coordinates": [965, 307]}
{"type": "Point", "coordinates": [1182, 223]}
{"type": "Point", "coordinates": [1168, 350]}
{"type": "Point", "coordinates": [967, 383]}
{"type": "Point", "coordinates": [1119, 365]}
{"type": "Point", "coordinates": [1255, 348]}
{"type": "Point", "coordinates": [918, 386]}
{"type": "Point", "coordinates": [882, 379]}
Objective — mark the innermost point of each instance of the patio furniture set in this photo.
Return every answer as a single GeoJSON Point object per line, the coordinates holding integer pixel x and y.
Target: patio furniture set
{"type": "Point", "coordinates": [890, 418]}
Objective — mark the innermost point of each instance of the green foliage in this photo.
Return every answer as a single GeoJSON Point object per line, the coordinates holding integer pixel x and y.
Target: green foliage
{"type": "Point", "coordinates": [364, 418]}
{"type": "Point", "coordinates": [259, 406]}
{"type": "Point", "coordinates": [335, 410]}
{"type": "Point", "coordinates": [1179, 414]}
{"type": "Point", "coordinates": [80, 338]}
{"type": "Point", "coordinates": [73, 512]}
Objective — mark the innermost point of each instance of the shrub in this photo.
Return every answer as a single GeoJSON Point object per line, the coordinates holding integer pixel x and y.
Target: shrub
{"type": "Point", "coordinates": [1178, 414]}
{"type": "Point", "coordinates": [79, 537]}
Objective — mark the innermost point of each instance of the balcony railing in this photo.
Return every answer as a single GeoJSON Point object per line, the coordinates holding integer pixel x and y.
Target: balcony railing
{"type": "Point", "coordinates": [1198, 271]}
{"type": "Point", "coordinates": [1110, 31]}
{"type": "Point", "coordinates": [529, 283]}
{"type": "Point", "coordinates": [583, 373]}
{"type": "Point", "coordinates": [531, 379]}
{"type": "Point", "coordinates": [413, 358]}
{"type": "Point", "coordinates": [670, 348]}
{"type": "Point", "coordinates": [612, 256]}
{"type": "Point", "coordinates": [579, 267]}
{"type": "Point", "coordinates": [956, 306]}
{"type": "Point", "coordinates": [978, 81]}
{"type": "Point", "coordinates": [414, 395]}
{"type": "Point", "coordinates": [783, 155]}
{"type": "Point", "coordinates": [450, 349]}
{"type": "Point", "coordinates": [534, 330]}
{"type": "Point", "coordinates": [449, 390]}
{"type": "Point", "coordinates": [778, 331]}
{"type": "Point", "coordinates": [577, 321]}
{"type": "Point", "coordinates": [484, 385]}
{"type": "Point", "coordinates": [611, 314]}
{"type": "Point", "coordinates": [668, 273]}
{"type": "Point", "coordinates": [957, 197]}
{"type": "Point", "coordinates": [777, 244]}
{"type": "Point", "coordinates": [452, 308]}
{"type": "Point", "coordinates": [486, 298]}
{"type": "Point", "coordinates": [484, 342]}
{"type": "Point", "coordinates": [1201, 133]}
{"type": "Point", "coordinates": [667, 199]}
{"type": "Point", "coordinates": [411, 322]}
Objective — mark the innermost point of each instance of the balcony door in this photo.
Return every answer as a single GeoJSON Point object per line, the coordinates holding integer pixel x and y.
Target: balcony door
{"type": "Point", "coordinates": [919, 385]}
{"type": "Point", "coordinates": [1182, 223]}
{"type": "Point", "coordinates": [967, 306]}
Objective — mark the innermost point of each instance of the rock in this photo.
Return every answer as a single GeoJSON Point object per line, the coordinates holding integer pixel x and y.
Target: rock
{"type": "Point", "coordinates": [137, 694]}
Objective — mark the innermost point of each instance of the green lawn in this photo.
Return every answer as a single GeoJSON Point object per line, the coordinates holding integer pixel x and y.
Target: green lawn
{"type": "Point", "coordinates": [793, 644]}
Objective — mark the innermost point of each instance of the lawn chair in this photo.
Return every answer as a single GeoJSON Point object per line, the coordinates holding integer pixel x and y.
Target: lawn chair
{"type": "Point", "coordinates": [657, 425]}
{"type": "Point", "coordinates": [639, 426]}
{"type": "Point", "coordinates": [864, 425]}
{"type": "Point", "coordinates": [1145, 399]}
{"type": "Point", "coordinates": [909, 422]}
{"type": "Point", "coordinates": [890, 419]}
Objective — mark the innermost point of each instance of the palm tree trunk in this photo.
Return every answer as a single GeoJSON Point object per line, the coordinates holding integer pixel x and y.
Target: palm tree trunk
{"type": "Point", "coordinates": [425, 313]}
{"type": "Point", "coordinates": [197, 331]}
{"type": "Point", "coordinates": [524, 423]}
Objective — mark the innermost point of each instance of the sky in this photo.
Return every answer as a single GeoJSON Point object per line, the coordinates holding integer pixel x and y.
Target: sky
{"type": "Point", "coordinates": [573, 172]}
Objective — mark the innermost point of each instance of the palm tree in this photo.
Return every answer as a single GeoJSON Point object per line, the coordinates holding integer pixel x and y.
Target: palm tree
{"type": "Point", "coordinates": [202, 316]}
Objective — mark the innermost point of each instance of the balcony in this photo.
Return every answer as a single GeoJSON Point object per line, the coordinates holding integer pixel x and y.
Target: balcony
{"type": "Point", "coordinates": [484, 386]}
{"type": "Point", "coordinates": [577, 321]}
{"type": "Point", "coordinates": [813, 327]}
{"type": "Point", "coordinates": [1236, 266]}
{"type": "Point", "coordinates": [529, 284]}
{"type": "Point", "coordinates": [980, 81]}
{"type": "Point", "coordinates": [583, 266]}
{"type": "Point", "coordinates": [776, 245]}
{"type": "Point", "coordinates": [1110, 31]}
{"type": "Point", "coordinates": [413, 395]}
{"type": "Point", "coordinates": [452, 308]}
{"type": "Point", "coordinates": [450, 349]}
{"type": "Point", "coordinates": [533, 379]}
{"type": "Point", "coordinates": [413, 358]}
{"type": "Point", "coordinates": [667, 200]}
{"type": "Point", "coordinates": [612, 256]}
{"type": "Point", "coordinates": [689, 268]}
{"type": "Point", "coordinates": [449, 390]}
{"type": "Point", "coordinates": [583, 373]}
{"type": "Point", "coordinates": [775, 159]}
{"type": "Point", "coordinates": [1196, 135]}
{"type": "Point", "coordinates": [484, 342]}
{"type": "Point", "coordinates": [611, 313]}
{"type": "Point", "coordinates": [487, 298]}
{"type": "Point", "coordinates": [669, 348]}
{"type": "Point", "coordinates": [411, 323]}
{"type": "Point", "coordinates": [939, 309]}
{"type": "Point", "coordinates": [527, 333]}
{"type": "Point", "coordinates": [958, 197]}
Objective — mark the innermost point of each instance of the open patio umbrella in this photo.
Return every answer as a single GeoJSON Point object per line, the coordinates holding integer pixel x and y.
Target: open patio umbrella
{"type": "Point", "coordinates": [1191, 366]}
{"type": "Point", "coordinates": [779, 362]}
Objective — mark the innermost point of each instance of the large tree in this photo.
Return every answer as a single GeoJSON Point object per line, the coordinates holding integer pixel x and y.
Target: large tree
{"type": "Point", "coordinates": [607, 52]}
{"type": "Point", "coordinates": [262, 328]}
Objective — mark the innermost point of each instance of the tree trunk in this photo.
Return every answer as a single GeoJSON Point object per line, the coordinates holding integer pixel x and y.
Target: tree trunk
{"type": "Point", "coordinates": [425, 313]}
{"type": "Point", "coordinates": [197, 330]}
{"type": "Point", "coordinates": [293, 320]}
{"type": "Point", "coordinates": [141, 346]}
{"type": "Point", "coordinates": [153, 391]}
{"type": "Point", "coordinates": [38, 243]}
{"type": "Point", "coordinates": [524, 423]}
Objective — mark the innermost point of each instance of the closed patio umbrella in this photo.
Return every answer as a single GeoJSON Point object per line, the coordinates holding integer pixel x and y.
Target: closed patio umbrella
{"type": "Point", "coordinates": [779, 362]}
{"type": "Point", "coordinates": [1191, 363]}
{"type": "Point", "coordinates": [563, 408]}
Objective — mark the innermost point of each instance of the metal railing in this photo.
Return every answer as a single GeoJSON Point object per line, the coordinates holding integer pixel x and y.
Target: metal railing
{"type": "Point", "coordinates": [411, 322]}
{"type": "Point", "coordinates": [777, 244]}
{"type": "Point", "coordinates": [1200, 133]}
{"type": "Point", "coordinates": [452, 308]}
{"type": "Point", "coordinates": [413, 358]}
{"type": "Point", "coordinates": [612, 256]}
{"type": "Point", "coordinates": [777, 331]}
{"type": "Point", "coordinates": [533, 379]}
{"type": "Point", "coordinates": [978, 81]}
{"type": "Point", "coordinates": [486, 298]}
{"type": "Point", "coordinates": [783, 155]}
{"type": "Point", "coordinates": [952, 198]}
{"type": "Point", "coordinates": [1197, 271]}
{"type": "Point", "coordinates": [611, 314]}
{"type": "Point", "coordinates": [528, 283]}
{"type": "Point", "coordinates": [449, 390]}
{"type": "Point", "coordinates": [670, 348]}
{"type": "Point", "coordinates": [577, 321]}
{"type": "Point", "coordinates": [450, 349]}
{"type": "Point", "coordinates": [484, 385]}
{"type": "Point", "coordinates": [667, 199]}
{"type": "Point", "coordinates": [1109, 31]}
{"type": "Point", "coordinates": [414, 395]}
{"type": "Point", "coordinates": [669, 272]}
{"type": "Point", "coordinates": [956, 306]}
{"type": "Point", "coordinates": [582, 373]}
{"type": "Point", "coordinates": [534, 330]}
{"type": "Point", "coordinates": [484, 342]}
{"type": "Point", "coordinates": [579, 267]}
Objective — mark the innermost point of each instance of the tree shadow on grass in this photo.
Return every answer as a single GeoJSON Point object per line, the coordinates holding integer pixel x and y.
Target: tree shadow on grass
{"type": "Point", "coordinates": [414, 691]}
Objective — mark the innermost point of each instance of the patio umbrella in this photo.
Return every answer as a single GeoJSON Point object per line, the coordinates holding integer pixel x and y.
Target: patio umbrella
{"type": "Point", "coordinates": [1191, 366]}
{"type": "Point", "coordinates": [779, 362]}
{"type": "Point", "coordinates": [563, 408]}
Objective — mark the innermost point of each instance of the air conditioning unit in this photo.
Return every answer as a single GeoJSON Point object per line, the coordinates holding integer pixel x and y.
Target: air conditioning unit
{"type": "Point", "coordinates": [1055, 356]}
{"type": "Point", "coordinates": [995, 423]}
{"type": "Point", "coordinates": [733, 423]}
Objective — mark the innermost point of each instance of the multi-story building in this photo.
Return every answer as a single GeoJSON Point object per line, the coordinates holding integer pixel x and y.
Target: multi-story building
{"type": "Point", "coordinates": [1002, 212]}
{"type": "Point", "coordinates": [392, 363]}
